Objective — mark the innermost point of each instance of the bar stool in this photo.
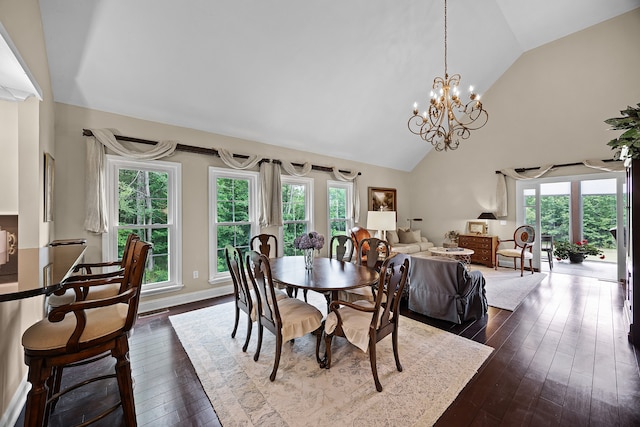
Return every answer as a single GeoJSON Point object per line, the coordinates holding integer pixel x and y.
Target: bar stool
{"type": "Point", "coordinates": [81, 331]}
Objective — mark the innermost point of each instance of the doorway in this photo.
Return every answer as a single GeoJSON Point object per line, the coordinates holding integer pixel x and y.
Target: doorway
{"type": "Point", "coordinates": [574, 209]}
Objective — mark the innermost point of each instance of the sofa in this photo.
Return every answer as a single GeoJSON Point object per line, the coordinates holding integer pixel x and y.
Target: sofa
{"type": "Point", "coordinates": [442, 288]}
{"type": "Point", "coordinates": [405, 241]}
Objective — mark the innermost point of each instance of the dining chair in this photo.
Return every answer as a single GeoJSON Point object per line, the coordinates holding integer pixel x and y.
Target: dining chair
{"type": "Point", "coordinates": [66, 295]}
{"type": "Point", "coordinates": [342, 245]}
{"type": "Point", "coordinates": [244, 296]}
{"type": "Point", "coordinates": [546, 245]}
{"type": "Point", "coordinates": [286, 318]}
{"type": "Point", "coordinates": [364, 323]}
{"type": "Point", "coordinates": [263, 243]}
{"type": "Point", "coordinates": [80, 331]}
{"type": "Point", "coordinates": [357, 234]}
{"type": "Point", "coordinates": [370, 251]}
{"type": "Point", "coordinates": [523, 241]}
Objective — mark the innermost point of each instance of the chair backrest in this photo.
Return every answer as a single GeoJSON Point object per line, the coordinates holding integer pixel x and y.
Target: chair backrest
{"type": "Point", "coordinates": [259, 271]}
{"type": "Point", "coordinates": [368, 252]}
{"type": "Point", "coordinates": [262, 243]}
{"type": "Point", "coordinates": [546, 242]}
{"type": "Point", "coordinates": [343, 248]}
{"type": "Point", "coordinates": [139, 254]}
{"type": "Point", "coordinates": [238, 276]}
{"type": "Point", "coordinates": [393, 278]}
{"type": "Point", "coordinates": [131, 238]}
{"type": "Point", "coordinates": [357, 234]}
{"type": "Point", "coordinates": [524, 235]}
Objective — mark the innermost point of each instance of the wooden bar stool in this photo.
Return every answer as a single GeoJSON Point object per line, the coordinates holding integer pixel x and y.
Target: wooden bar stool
{"type": "Point", "coordinates": [81, 331]}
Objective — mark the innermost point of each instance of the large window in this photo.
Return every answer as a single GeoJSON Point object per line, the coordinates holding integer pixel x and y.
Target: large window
{"type": "Point", "coordinates": [233, 198]}
{"type": "Point", "coordinates": [297, 197]}
{"type": "Point", "coordinates": [339, 204]}
{"type": "Point", "coordinates": [143, 198]}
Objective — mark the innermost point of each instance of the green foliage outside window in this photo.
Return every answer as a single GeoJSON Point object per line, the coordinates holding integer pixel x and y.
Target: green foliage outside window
{"type": "Point", "coordinates": [142, 209]}
{"type": "Point", "coordinates": [232, 217]}
{"type": "Point", "coordinates": [294, 216]}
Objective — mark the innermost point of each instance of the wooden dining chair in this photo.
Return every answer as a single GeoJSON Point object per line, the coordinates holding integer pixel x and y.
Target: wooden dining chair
{"type": "Point", "coordinates": [370, 250]}
{"type": "Point", "coordinates": [81, 331]}
{"type": "Point", "coordinates": [286, 318]}
{"type": "Point", "coordinates": [342, 247]}
{"type": "Point", "coordinates": [546, 245]}
{"type": "Point", "coordinates": [66, 295]}
{"type": "Point", "coordinates": [364, 323]}
{"type": "Point", "coordinates": [357, 234]}
{"type": "Point", "coordinates": [523, 241]}
{"type": "Point", "coordinates": [244, 296]}
{"type": "Point", "coordinates": [264, 243]}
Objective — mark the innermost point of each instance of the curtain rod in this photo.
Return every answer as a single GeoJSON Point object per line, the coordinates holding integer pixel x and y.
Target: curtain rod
{"type": "Point", "coordinates": [212, 151]}
{"type": "Point", "coordinates": [519, 170]}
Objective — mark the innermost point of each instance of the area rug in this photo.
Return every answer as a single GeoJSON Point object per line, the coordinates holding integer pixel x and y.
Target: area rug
{"type": "Point", "coordinates": [437, 365]}
{"type": "Point", "coordinates": [506, 289]}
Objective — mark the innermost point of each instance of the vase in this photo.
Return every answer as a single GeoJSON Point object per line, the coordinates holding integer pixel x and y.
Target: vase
{"type": "Point", "coordinates": [576, 258]}
{"type": "Point", "coordinates": [308, 258]}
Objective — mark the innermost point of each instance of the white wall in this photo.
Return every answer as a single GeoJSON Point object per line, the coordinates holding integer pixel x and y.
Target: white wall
{"type": "Point", "coordinates": [548, 107]}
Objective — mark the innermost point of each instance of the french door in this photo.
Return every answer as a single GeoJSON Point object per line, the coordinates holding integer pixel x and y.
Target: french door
{"type": "Point", "coordinates": [575, 208]}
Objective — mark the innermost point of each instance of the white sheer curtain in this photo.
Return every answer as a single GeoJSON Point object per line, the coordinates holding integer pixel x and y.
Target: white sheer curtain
{"type": "Point", "coordinates": [95, 219]}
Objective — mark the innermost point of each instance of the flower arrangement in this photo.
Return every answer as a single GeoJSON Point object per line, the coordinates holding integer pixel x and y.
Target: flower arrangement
{"type": "Point", "coordinates": [564, 250]}
{"type": "Point", "coordinates": [452, 235]}
{"type": "Point", "coordinates": [311, 240]}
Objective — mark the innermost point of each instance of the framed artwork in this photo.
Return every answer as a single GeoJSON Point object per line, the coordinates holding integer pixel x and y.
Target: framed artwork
{"type": "Point", "coordinates": [382, 199]}
{"type": "Point", "coordinates": [477, 227]}
{"type": "Point", "coordinates": [49, 167]}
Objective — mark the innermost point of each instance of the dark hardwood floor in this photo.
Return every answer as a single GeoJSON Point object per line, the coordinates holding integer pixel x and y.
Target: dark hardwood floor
{"type": "Point", "coordinates": [562, 358]}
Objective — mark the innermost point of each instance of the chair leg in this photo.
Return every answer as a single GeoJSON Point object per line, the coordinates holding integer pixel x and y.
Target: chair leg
{"type": "Point", "coordinates": [549, 255]}
{"type": "Point", "coordinates": [514, 264]}
{"type": "Point", "coordinates": [318, 334]}
{"type": "Point", "coordinates": [235, 324]}
{"type": "Point", "coordinates": [531, 265]}
{"type": "Point", "coordinates": [374, 367]}
{"type": "Point", "coordinates": [249, 327]}
{"type": "Point", "coordinates": [276, 361]}
{"type": "Point", "coordinates": [394, 337]}
{"type": "Point", "coordinates": [57, 382]}
{"type": "Point", "coordinates": [260, 329]}
{"type": "Point", "coordinates": [125, 383]}
{"type": "Point", "coordinates": [521, 266]}
{"type": "Point", "coordinates": [327, 351]}
{"type": "Point", "coordinates": [37, 397]}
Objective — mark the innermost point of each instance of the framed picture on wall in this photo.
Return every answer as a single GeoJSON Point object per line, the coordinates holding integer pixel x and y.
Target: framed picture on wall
{"type": "Point", "coordinates": [382, 199]}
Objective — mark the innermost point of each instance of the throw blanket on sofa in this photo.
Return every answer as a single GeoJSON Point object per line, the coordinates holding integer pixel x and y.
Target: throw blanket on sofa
{"type": "Point", "coordinates": [442, 288]}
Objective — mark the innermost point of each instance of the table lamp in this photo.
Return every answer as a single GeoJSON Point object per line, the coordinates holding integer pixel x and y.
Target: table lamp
{"type": "Point", "coordinates": [487, 216]}
{"type": "Point", "coordinates": [381, 221]}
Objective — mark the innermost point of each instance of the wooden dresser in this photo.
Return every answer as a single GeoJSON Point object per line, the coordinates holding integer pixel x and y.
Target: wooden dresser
{"type": "Point", "coordinates": [483, 245]}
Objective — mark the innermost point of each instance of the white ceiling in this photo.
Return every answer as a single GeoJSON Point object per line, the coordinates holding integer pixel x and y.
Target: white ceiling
{"type": "Point", "coordinates": [329, 77]}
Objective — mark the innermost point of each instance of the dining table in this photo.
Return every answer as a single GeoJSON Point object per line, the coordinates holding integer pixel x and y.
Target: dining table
{"type": "Point", "coordinates": [328, 276]}
{"type": "Point", "coordinates": [37, 271]}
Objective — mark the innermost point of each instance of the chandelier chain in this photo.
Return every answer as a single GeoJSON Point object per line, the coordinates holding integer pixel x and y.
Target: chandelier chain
{"type": "Point", "coordinates": [445, 38]}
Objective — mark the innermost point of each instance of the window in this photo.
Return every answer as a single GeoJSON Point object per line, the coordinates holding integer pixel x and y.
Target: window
{"type": "Point", "coordinates": [339, 202]}
{"type": "Point", "coordinates": [234, 213]}
{"type": "Point", "coordinates": [297, 197]}
{"type": "Point", "coordinates": [143, 198]}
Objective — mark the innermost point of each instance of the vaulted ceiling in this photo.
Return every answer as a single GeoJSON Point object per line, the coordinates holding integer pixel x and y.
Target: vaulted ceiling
{"type": "Point", "coordinates": [329, 77]}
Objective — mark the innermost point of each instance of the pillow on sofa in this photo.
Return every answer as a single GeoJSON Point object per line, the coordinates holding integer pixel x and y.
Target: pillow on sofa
{"type": "Point", "coordinates": [411, 236]}
{"type": "Point", "coordinates": [392, 237]}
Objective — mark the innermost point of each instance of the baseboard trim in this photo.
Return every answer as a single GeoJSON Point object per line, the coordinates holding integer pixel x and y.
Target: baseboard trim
{"type": "Point", "coordinates": [172, 301]}
{"type": "Point", "coordinates": [10, 416]}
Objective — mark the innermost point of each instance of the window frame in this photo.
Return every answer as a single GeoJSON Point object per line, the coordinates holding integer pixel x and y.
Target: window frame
{"type": "Point", "coordinates": [216, 277]}
{"type": "Point", "coordinates": [174, 217]}
{"type": "Point", "coordinates": [348, 186]}
{"type": "Point", "coordinates": [308, 183]}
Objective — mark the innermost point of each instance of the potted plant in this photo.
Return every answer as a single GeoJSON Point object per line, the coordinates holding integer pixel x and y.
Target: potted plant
{"type": "Point", "coordinates": [576, 252]}
{"type": "Point", "coordinates": [627, 145]}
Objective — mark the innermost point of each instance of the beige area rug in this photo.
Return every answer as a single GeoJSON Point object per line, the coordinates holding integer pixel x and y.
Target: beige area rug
{"type": "Point", "coordinates": [505, 288]}
{"type": "Point", "coordinates": [437, 365]}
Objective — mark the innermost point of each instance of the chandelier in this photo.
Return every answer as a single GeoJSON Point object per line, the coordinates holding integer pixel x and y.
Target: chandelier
{"type": "Point", "coordinates": [447, 119]}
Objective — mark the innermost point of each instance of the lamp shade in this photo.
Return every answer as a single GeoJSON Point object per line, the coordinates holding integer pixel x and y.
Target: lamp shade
{"type": "Point", "coordinates": [487, 215]}
{"type": "Point", "coordinates": [381, 220]}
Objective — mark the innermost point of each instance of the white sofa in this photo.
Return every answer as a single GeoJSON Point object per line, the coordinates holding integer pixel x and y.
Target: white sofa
{"type": "Point", "coordinates": [408, 241]}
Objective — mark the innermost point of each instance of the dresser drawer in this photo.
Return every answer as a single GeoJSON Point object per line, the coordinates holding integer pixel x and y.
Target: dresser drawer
{"type": "Point", "coordinates": [484, 247]}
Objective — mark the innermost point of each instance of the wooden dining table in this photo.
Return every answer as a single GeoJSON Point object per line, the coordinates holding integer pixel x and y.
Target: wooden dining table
{"type": "Point", "coordinates": [328, 276]}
